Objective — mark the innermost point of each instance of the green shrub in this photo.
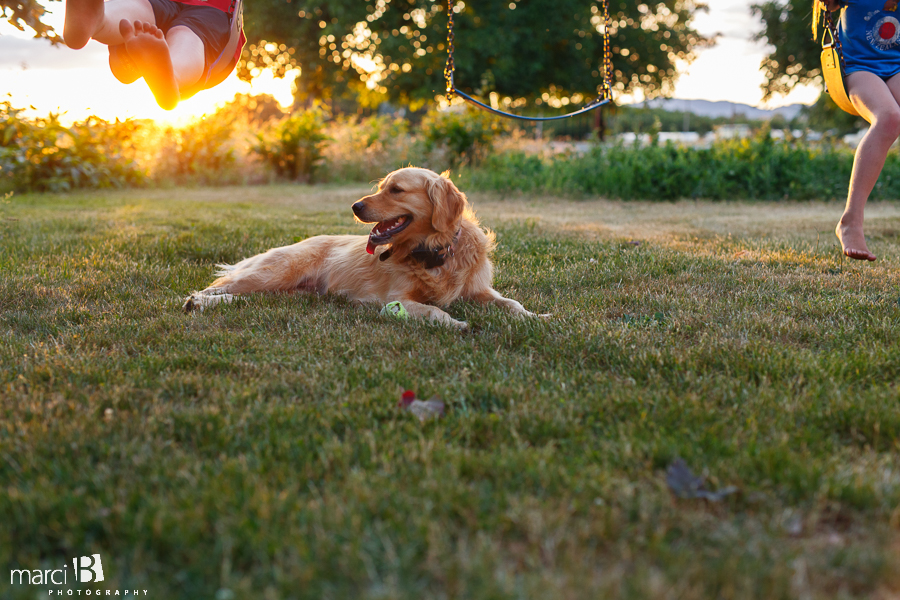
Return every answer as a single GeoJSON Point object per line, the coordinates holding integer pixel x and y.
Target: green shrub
{"type": "Point", "coordinates": [254, 111]}
{"type": "Point", "coordinates": [294, 147]}
{"type": "Point", "coordinates": [758, 168]}
{"type": "Point", "coordinates": [366, 149]}
{"type": "Point", "coordinates": [201, 152]}
{"type": "Point", "coordinates": [43, 155]}
{"type": "Point", "coordinates": [468, 135]}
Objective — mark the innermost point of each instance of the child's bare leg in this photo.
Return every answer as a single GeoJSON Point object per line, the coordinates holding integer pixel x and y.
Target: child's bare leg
{"type": "Point", "coordinates": [83, 17]}
{"type": "Point", "coordinates": [188, 56]}
{"type": "Point", "coordinates": [86, 19]}
{"type": "Point", "coordinates": [873, 99]}
{"type": "Point", "coordinates": [168, 63]}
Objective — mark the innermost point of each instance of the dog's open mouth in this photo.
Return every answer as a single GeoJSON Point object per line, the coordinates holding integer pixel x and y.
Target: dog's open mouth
{"type": "Point", "coordinates": [385, 230]}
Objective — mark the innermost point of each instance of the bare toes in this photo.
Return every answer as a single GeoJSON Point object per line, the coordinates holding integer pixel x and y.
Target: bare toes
{"type": "Point", "coordinates": [126, 29]}
{"type": "Point", "coordinates": [859, 254]}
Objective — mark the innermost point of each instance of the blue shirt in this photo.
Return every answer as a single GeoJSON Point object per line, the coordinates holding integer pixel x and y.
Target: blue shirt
{"type": "Point", "coordinates": [870, 36]}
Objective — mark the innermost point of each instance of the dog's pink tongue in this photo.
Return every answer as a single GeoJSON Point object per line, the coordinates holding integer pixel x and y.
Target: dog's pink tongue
{"type": "Point", "coordinates": [370, 247]}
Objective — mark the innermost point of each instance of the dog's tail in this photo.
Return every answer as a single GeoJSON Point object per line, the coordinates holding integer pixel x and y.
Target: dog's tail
{"type": "Point", "coordinates": [223, 269]}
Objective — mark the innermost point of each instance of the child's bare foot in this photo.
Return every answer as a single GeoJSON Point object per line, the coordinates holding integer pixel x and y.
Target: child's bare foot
{"type": "Point", "coordinates": [853, 241]}
{"type": "Point", "coordinates": [83, 17]}
{"type": "Point", "coordinates": [147, 47]}
{"type": "Point", "coordinates": [121, 64]}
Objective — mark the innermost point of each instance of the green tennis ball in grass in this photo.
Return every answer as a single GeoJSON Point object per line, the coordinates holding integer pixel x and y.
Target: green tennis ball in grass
{"type": "Point", "coordinates": [395, 309]}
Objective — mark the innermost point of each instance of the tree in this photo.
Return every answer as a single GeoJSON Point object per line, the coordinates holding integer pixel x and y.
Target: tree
{"type": "Point", "coordinates": [794, 58]}
{"type": "Point", "coordinates": [549, 51]}
{"type": "Point", "coordinates": [27, 13]}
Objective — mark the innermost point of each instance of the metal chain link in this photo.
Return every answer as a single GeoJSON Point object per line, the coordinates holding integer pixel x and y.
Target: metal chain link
{"type": "Point", "coordinates": [607, 54]}
{"type": "Point", "coordinates": [450, 69]}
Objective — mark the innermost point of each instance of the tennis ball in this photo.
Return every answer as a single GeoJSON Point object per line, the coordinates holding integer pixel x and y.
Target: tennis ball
{"type": "Point", "coordinates": [395, 309]}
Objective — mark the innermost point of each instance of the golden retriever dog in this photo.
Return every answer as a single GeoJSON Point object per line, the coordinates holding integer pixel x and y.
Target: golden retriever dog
{"type": "Point", "coordinates": [426, 250]}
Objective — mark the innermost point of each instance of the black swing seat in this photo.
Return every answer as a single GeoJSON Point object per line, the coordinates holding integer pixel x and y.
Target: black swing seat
{"type": "Point", "coordinates": [596, 103]}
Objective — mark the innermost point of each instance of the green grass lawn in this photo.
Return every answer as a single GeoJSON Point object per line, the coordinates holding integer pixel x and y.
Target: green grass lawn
{"type": "Point", "coordinates": [255, 450]}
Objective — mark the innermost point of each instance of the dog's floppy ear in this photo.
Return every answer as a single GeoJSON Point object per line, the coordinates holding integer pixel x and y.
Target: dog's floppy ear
{"type": "Point", "coordinates": [448, 203]}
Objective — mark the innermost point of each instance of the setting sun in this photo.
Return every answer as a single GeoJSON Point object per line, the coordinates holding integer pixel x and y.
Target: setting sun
{"type": "Point", "coordinates": [78, 83]}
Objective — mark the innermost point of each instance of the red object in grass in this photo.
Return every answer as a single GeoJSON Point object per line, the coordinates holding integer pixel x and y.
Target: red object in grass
{"type": "Point", "coordinates": [406, 398]}
{"type": "Point", "coordinates": [422, 410]}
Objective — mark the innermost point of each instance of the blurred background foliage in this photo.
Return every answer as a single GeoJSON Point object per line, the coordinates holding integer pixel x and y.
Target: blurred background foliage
{"type": "Point", "coordinates": [794, 55]}
{"type": "Point", "coordinates": [29, 13]}
{"type": "Point", "coordinates": [40, 154]}
{"type": "Point", "coordinates": [294, 147]}
{"type": "Point", "coordinates": [395, 51]}
{"type": "Point", "coordinates": [252, 140]}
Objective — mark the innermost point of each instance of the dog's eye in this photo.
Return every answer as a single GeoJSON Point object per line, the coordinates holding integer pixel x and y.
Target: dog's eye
{"type": "Point", "coordinates": [395, 190]}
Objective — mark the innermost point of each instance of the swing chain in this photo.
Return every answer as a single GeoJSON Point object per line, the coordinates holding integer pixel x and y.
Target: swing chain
{"type": "Point", "coordinates": [450, 68]}
{"type": "Point", "coordinates": [607, 56]}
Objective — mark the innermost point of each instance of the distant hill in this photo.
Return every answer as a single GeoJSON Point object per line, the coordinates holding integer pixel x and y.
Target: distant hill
{"type": "Point", "coordinates": [707, 108]}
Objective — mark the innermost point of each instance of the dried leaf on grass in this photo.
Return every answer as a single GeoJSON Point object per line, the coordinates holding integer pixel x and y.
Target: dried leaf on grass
{"type": "Point", "coordinates": [685, 484]}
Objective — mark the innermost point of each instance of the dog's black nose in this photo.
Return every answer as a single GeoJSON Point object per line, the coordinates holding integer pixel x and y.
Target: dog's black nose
{"type": "Point", "coordinates": [358, 208]}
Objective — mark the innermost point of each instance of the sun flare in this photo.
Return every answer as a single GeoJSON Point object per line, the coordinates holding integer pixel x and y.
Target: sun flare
{"type": "Point", "coordinates": [77, 84]}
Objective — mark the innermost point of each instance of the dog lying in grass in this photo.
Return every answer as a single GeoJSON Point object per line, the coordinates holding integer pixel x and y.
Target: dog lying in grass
{"type": "Point", "coordinates": [426, 250]}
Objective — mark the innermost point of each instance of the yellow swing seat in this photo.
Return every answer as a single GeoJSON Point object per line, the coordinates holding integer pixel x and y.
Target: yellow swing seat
{"type": "Point", "coordinates": [833, 68]}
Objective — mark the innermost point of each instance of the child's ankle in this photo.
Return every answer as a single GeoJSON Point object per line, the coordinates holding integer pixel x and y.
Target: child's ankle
{"type": "Point", "coordinates": [851, 220]}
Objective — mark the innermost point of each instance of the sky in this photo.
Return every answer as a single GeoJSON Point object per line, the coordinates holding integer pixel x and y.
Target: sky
{"type": "Point", "coordinates": [78, 83]}
{"type": "Point", "coordinates": [730, 69]}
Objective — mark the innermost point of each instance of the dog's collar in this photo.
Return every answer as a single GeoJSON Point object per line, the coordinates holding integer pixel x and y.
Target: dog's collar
{"type": "Point", "coordinates": [430, 258]}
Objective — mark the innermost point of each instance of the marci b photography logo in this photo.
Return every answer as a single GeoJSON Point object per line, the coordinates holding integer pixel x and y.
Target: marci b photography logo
{"type": "Point", "coordinates": [87, 569]}
{"type": "Point", "coordinates": [91, 569]}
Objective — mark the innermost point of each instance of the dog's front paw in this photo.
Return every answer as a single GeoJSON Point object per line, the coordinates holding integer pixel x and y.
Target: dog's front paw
{"type": "Point", "coordinates": [461, 325]}
{"type": "Point", "coordinates": [201, 300]}
{"type": "Point", "coordinates": [191, 303]}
